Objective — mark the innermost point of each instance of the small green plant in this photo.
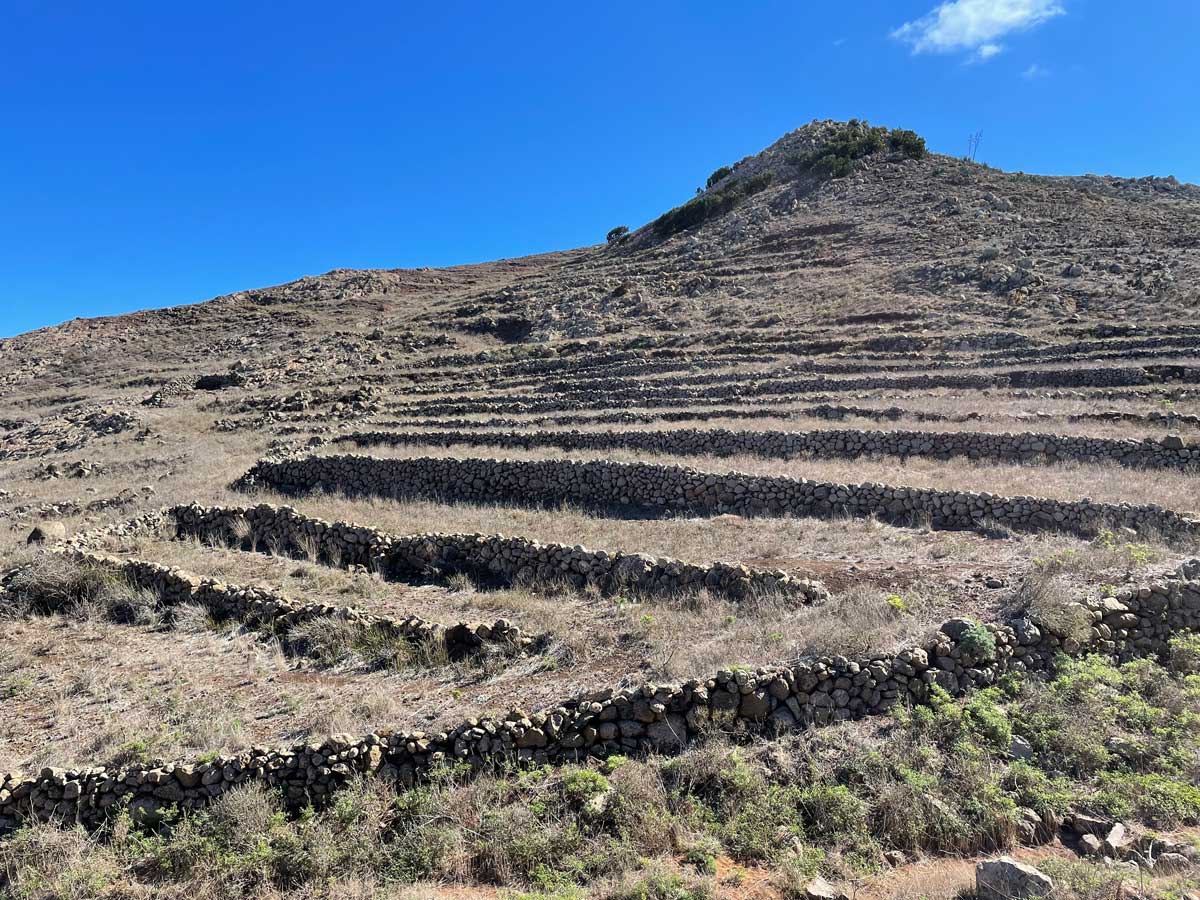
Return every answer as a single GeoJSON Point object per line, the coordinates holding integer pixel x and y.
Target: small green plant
{"type": "Point", "coordinates": [581, 785]}
{"type": "Point", "coordinates": [617, 235]}
{"type": "Point", "coordinates": [15, 686]}
{"type": "Point", "coordinates": [979, 643]}
{"type": "Point", "coordinates": [1140, 554]}
{"type": "Point", "coordinates": [612, 763]}
{"type": "Point", "coordinates": [896, 602]}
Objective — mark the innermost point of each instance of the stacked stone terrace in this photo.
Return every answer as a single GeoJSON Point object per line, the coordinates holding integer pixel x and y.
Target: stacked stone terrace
{"type": "Point", "coordinates": [668, 489]}
{"type": "Point", "coordinates": [1170, 452]}
{"type": "Point", "coordinates": [650, 718]}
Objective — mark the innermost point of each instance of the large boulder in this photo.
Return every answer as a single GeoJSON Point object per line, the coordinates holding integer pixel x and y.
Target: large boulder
{"type": "Point", "coordinates": [1007, 879]}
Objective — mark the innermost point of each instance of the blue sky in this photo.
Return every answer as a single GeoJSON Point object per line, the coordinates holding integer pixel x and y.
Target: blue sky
{"type": "Point", "coordinates": [159, 153]}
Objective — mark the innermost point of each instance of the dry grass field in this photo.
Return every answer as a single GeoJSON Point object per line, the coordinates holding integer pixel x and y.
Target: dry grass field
{"type": "Point", "coordinates": [915, 293]}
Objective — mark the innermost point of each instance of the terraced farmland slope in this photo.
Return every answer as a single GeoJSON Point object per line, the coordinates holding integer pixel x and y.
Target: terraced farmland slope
{"type": "Point", "coordinates": [854, 503]}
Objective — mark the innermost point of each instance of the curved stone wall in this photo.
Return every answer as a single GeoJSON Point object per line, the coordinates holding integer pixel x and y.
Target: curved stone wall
{"type": "Point", "coordinates": [278, 614]}
{"type": "Point", "coordinates": [649, 718]}
{"type": "Point", "coordinates": [486, 557]}
{"type": "Point", "coordinates": [663, 489]}
{"type": "Point", "coordinates": [1167, 453]}
{"type": "Point", "coordinates": [684, 391]}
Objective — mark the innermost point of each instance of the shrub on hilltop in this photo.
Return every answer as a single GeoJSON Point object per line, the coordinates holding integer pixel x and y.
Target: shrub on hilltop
{"type": "Point", "coordinates": [710, 205]}
{"type": "Point", "coordinates": [832, 157]}
{"type": "Point", "coordinates": [835, 158]}
{"type": "Point", "coordinates": [718, 175]}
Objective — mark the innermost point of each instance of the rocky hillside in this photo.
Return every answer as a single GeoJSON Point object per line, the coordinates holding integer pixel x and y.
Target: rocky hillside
{"type": "Point", "coordinates": [931, 247]}
{"type": "Point", "coordinates": [827, 534]}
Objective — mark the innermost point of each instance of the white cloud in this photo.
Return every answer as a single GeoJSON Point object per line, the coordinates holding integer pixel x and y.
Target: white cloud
{"type": "Point", "coordinates": [1035, 71]}
{"type": "Point", "coordinates": [975, 26]}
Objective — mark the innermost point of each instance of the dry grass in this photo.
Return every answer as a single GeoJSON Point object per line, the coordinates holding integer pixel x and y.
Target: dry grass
{"type": "Point", "coordinates": [681, 638]}
{"type": "Point", "coordinates": [93, 692]}
{"type": "Point", "coordinates": [696, 638]}
{"type": "Point", "coordinates": [799, 544]}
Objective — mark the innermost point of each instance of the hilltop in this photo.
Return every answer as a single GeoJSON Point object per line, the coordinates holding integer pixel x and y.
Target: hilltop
{"type": "Point", "coordinates": [839, 521]}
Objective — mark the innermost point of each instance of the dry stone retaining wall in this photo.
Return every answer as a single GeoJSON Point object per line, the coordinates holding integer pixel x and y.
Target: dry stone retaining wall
{"type": "Point", "coordinates": [279, 614]}
{"type": "Point", "coordinates": [1138, 621]}
{"type": "Point", "coordinates": [662, 489]}
{"type": "Point", "coordinates": [827, 411]}
{"type": "Point", "coordinates": [1167, 453]}
{"type": "Point", "coordinates": [511, 560]}
{"type": "Point", "coordinates": [681, 391]}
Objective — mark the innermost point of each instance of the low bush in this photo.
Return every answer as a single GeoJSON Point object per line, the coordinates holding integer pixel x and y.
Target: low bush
{"type": "Point", "coordinates": [55, 584]}
{"type": "Point", "coordinates": [708, 206]}
{"type": "Point", "coordinates": [978, 643]}
{"type": "Point", "coordinates": [854, 141]}
{"type": "Point", "coordinates": [617, 235]}
{"type": "Point", "coordinates": [1115, 740]}
{"type": "Point", "coordinates": [718, 175]}
{"type": "Point", "coordinates": [911, 144]}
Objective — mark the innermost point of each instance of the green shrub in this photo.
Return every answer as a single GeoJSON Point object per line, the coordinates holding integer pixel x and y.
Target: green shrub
{"type": "Point", "coordinates": [854, 141]}
{"type": "Point", "coordinates": [1185, 654]}
{"type": "Point", "coordinates": [833, 812]}
{"type": "Point", "coordinates": [581, 785]}
{"type": "Point", "coordinates": [708, 206]}
{"type": "Point", "coordinates": [718, 175]}
{"type": "Point", "coordinates": [759, 828]}
{"type": "Point", "coordinates": [979, 643]}
{"type": "Point", "coordinates": [988, 721]}
{"type": "Point", "coordinates": [617, 235]}
{"type": "Point", "coordinates": [660, 885]}
{"type": "Point", "coordinates": [1161, 800]}
{"type": "Point", "coordinates": [911, 144]}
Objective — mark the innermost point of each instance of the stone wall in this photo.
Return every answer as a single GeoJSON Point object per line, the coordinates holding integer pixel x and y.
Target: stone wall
{"type": "Point", "coordinates": [485, 557]}
{"type": "Point", "coordinates": [1167, 453]}
{"type": "Point", "coordinates": [663, 489]}
{"type": "Point", "coordinates": [828, 411]}
{"type": "Point", "coordinates": [962, 655]}
{"type": "Point", "coordinates": [601, 392]}
{"type": "Point", "coordinates": [279, 615]}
